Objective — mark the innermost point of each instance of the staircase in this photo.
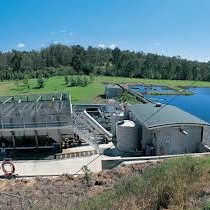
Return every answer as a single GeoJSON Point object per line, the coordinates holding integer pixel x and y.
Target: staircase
{"type": "Point", "coordinates": [86, 131]}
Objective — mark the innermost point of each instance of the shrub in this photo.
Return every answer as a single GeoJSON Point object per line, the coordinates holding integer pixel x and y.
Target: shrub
{"type": "Point", "coordinates": [126, 97]}
{"type": "Point", "coordinates": [76, 80]}
{"type": "Point", "coordinates": [40, 82]}
{"type": "Point", "coordinates": [66, 78]}
{"type": "Point", "coordinates": [26, 83]}
{"type": "Point", "coordinates": [169, 185]}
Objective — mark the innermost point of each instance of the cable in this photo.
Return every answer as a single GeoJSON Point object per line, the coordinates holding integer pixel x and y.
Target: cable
{"type": "Point", "coordinates": [168, 102]}
{"type": "Point", "coordinates": [76, 173]}
{"type": "Point", "coordinates": [142, 122]}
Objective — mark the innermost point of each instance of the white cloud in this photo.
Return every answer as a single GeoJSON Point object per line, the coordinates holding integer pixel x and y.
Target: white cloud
{"type": "Point", "coordinates": [157, 44]}
{"type": "Point", "coordinates": [112, 46]}
{"type": "Point", "coordinates": [101, 45]}
{"type": "Point", "coordinates": [55, 42]}
{"type": "Point", "coordinates": [70, 34]}
{"type": "Point", "coordinates": [21, 45]}
{"type": "Point", "coordinates": [43, 45]}
{"type": "Point", "coordinates": [63, 31]}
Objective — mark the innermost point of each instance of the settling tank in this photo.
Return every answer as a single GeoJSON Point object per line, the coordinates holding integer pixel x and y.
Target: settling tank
{"type": "Point", "coordinates": [116, 117]}
{"type": "Point", "coordinates": [127, 136]}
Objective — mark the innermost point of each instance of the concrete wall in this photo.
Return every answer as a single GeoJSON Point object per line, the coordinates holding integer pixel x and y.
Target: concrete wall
{"type": "Point", "coordinates": [171, 141]}
{"type": "Point", "coordinates": [56, 167]}
{"type": "Point", "coordinates": [21, 134]}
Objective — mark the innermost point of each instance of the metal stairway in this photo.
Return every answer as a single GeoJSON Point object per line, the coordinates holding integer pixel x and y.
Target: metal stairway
{"type": "Point", "coordinates": [86, 131]}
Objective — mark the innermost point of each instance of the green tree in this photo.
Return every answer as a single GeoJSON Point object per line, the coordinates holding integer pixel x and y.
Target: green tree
{"type": "Point", "coordinates": [40, 82]}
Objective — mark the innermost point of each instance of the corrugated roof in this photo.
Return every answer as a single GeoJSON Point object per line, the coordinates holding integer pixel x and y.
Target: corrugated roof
{"type": "Point", "coordinates": [153, 117]}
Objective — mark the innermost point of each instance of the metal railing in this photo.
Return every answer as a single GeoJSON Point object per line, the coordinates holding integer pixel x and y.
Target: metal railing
{"type": "Point", "coordinates": [36, 122]}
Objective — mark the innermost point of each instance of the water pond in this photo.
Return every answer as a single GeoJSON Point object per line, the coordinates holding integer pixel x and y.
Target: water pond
{"type": "Point", "coordinates": [197, 104]}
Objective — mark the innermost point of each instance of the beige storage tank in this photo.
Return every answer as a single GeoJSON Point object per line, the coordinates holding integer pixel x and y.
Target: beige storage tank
{"type": "Point", "coordinates": [114, 119]}
{"type": "Point", "coordinates": [127, 136]}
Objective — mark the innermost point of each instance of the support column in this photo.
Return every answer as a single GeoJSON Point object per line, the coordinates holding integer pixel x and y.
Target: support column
{"type": "Point", "coordinates": [13, 139]}
{"type": "Point", "coordinates": [36, 140]}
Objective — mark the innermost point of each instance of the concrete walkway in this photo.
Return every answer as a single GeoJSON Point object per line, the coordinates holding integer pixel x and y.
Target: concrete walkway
{"type": "Point", "coordinates": [56, 167]}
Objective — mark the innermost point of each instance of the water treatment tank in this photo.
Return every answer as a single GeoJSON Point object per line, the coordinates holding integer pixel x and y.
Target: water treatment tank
{"type": "Point", "coordinates": [116, 117]}
{"type": "Point", "coordinates": [127, 136]}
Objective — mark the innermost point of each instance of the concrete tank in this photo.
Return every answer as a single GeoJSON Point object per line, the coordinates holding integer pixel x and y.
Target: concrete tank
{"type": "Point", "coordinates": [127, 136]}
{"type": "Point", "coordinates": [116, 117]}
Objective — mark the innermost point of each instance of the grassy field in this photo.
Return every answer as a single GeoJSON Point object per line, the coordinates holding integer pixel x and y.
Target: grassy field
{"type": "Point", "coordinates": [176, 184]}
{"type": "Point", "coordinates": [90, 92]}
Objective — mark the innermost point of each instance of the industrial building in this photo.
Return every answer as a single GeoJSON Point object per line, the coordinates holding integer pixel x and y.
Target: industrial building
{"type": "Point", "coordinates": [166, 130]}
{"type": "Point", "coordinates": [112, 91]}
{"type": "Point", "coordinates": [34, 121]}
{"type": "Point", "coordinates": [50, 121]}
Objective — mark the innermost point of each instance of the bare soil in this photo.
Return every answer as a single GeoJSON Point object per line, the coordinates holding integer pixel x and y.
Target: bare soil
{"type": "Point", "coordinates": [63, 191]}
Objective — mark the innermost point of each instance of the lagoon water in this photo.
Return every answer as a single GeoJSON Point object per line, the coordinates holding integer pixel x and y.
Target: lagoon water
{"type": "Point", "coordinates": [197, 104]}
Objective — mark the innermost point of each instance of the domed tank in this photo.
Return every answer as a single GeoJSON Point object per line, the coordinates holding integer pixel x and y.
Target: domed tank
{"type": "Point", "coordinates": [127, 136]}
{"type": "Point", "coordinates": [114, 119]}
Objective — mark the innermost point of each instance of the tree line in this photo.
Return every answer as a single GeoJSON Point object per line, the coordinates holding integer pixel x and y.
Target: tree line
{"type": "Point", "coordinates": [61, 60]}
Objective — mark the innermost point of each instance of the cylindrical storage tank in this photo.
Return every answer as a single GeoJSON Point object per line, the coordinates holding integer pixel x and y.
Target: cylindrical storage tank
{"type": "Point", "coordinates": [127, 136]}
{"type": "Point", "coordinates": [116, 117]}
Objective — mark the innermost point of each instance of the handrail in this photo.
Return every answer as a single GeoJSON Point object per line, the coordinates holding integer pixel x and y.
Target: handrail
{"type": "Point", "coordinates": [7, 100]}
{"type": "Point", "coordinates": [97, 126]}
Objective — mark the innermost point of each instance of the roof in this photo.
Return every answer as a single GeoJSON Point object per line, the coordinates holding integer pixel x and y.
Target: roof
{"type": "Point", "coordinates": [112, 86]}
{"type": "Point", "coordinates": [153, 117]}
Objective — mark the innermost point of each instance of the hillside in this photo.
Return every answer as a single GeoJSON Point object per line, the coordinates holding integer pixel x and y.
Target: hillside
{"type": "Point", "coordinates": [174, 184]}
{"type": "Point", "coordinates": [59, 60]}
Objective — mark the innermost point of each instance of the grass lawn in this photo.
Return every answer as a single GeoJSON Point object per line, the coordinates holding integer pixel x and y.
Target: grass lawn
{"type": "Point", "coordinates": [90, 92]}
{"type": "Point", "coordinates": [179, 183]}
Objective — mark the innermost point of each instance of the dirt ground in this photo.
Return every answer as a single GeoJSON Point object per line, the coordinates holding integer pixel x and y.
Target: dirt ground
{"type": "Point", "coordinates": [60, 192]}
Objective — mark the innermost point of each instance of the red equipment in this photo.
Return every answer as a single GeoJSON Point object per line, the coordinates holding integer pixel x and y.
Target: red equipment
{"type": "Point", "coordinates": [8, 167]}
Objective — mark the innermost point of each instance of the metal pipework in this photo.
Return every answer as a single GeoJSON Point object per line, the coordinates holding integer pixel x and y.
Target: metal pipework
{"type": "Point", "coordinates": [7, 100]}
{"type": "Point", "coordinates": [97, 126]}
{"type": "Point", "coordinates": [39, 107]}
{"type": "Point", "coordinates": [23, 108]}
{"type": "Point", "coordinates": [38, 99]}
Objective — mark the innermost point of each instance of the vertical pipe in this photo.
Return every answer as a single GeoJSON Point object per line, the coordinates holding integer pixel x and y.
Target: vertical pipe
{"type": "Point", "coordinates": [13, 140]}
{"type": "Point", "coordinates": [70, 104]}
{"type": "Point", "coordinates": [36, 140]}
{"type": "Point", "coordinates": [24, 126]}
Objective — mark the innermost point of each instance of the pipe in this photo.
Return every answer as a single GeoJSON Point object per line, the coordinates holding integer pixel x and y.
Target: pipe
{"type": "Point", "coordinates": [97, 125]}
{"type": "Point", "coordinates": [71, 108]}
{"type": "Point", "coordinates": [39, 107]}
{"type": "Point", "coordinates": [61, 97]}
{"type": "Point", "coordinates": [7, 100]}
{"type": "Point", "coordinates": [23, 108]}
{"type": "Point", "coordinates": [38, 99]}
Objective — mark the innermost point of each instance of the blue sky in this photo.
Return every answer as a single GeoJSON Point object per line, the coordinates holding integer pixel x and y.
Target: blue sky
{"type": "Point", "coordinates": [169, 27]}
